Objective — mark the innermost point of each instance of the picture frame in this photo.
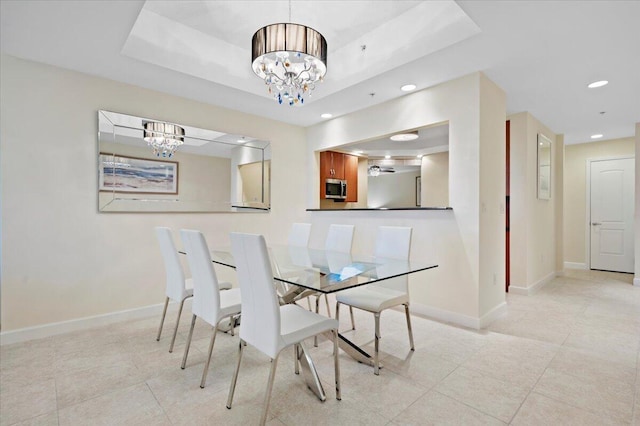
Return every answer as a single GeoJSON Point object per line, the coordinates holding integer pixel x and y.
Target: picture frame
{"type": "Point", "coordinates": [121, 173]}
{"type": "Point", "coordinates": [418, 191]}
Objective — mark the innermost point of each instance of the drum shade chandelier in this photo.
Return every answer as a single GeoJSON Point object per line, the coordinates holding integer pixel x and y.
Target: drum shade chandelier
{"type": "Point", "coordinates": [290, 58]}
{"type": "Point", "coordinates": [164, 138]}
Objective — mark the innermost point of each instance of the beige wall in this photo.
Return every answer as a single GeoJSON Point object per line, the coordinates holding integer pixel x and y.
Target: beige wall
{"type": "Point", "coordinates": [636, 279]}
{"type": "Point", "coordinates": [534, 223]}
{"type": "Point", "coordinates": [575, 188]}
{"type": "Point", "coordinates": [435, 180]}
{"type": "Point", "coordinates": [392, 190]}
{"type": "Point", "coordinates": [475, 110]}
{"type": "Point", "coordinates": [61, 259]}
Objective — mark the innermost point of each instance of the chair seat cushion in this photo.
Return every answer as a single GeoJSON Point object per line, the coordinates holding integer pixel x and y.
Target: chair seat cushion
{"type": "Point", "coordinates": [297, 324]}
{"type": "Point", "coordinates": [229, 302]}
{"type": "Point", "coordinates": [372, 298]}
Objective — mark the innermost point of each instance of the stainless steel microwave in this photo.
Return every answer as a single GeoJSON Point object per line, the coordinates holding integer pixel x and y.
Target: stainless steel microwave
{"type": "Point", "coordinates": [336, 189]}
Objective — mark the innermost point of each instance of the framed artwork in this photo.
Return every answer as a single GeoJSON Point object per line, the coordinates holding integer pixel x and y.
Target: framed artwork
{"type": "Point", "coordinates": [119, 173]}
{"type": "Point", "coordinates": [418, 190]}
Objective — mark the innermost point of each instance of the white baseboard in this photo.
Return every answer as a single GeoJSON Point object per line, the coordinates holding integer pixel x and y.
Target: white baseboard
{"type": "Point", "coordinates": [636, 281]}
{"type": "Point", "coordinates": [575, 265]}
{"type": "Point", "coordinates": [532, 289]}
{"type": "Point", "coordinates": [47, 330]}
{"type": "Point", "coordinates": [493, 315]}
{"type": "Point", "coordinates": [445, 316]}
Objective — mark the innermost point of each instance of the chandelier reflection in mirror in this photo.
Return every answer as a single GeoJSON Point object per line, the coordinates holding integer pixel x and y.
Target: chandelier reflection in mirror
{"type": "Point", "coordinates": [291, 59]}
{"type": "Point", "coordinates": [164, 138]}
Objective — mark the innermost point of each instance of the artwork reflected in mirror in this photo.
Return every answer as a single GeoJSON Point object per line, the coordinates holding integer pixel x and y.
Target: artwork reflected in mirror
{"type": "Point", "coordinates": [409, 171]}
{"type": "Point", "coordinates": [544, 167]}
{"type": "Point", "coordinates": [168, 167]}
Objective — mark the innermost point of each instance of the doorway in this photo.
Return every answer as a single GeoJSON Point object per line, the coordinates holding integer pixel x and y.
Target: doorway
{"type": "Point", "coordinates": [611, 208]}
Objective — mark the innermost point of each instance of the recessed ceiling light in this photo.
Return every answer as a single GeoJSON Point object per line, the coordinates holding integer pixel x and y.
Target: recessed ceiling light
{"type": "Point", "coordinates": [598, 84]}
{"type": "Point", "coordinates": [241, 140]}
{"type": "Point", "coordinates": [408, 87]}
{"type": "Point", "coordinates": [387, 156]}
{"type": "Point", "coordinates": [419, 156]}
{"type": "Point", "coordinates": [598, 136]}
{"type": "Point", "coordinates": [357, 152]}
{"type": "Point", "coordinates": [406, 136]}
{"type": "Point", "coordinates": [326, 115]}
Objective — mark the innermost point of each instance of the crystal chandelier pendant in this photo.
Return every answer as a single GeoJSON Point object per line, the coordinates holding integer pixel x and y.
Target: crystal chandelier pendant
{"type": "Point", "coordinates": [291, 59]}
{"type": "Point", "coordinates": [163, 138]}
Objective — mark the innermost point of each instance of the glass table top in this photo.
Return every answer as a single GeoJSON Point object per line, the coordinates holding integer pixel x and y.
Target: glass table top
{"type": "Point", "coordinates": [327, 271]}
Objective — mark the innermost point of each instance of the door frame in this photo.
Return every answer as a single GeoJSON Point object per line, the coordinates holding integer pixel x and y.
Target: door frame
{"type": "Point", "coordinates": [587, 230]}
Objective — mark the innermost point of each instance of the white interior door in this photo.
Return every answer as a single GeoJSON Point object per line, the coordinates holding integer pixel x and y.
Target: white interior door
{"type": "Point", "coordinates": [612, 204]}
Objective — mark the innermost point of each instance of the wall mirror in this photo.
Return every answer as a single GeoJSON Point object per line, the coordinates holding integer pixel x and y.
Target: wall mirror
{"type": "Point", "coordinates": [544, 167]}
{"type": "Point", "coordinates": [408, 169]}
{"type": "Point", "coordinates": [210, 171]}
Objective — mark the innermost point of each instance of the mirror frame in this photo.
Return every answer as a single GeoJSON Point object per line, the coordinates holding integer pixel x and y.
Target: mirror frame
{"type": "Point", "coordinates": [544, 164]}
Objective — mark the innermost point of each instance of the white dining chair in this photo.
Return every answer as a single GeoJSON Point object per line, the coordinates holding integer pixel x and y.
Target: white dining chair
{"type": "Point", "coordinates": [178, 288]}
{"type": "Point", "coordinates": [266, 325]}
{"type": "Point", "coordinates": [339, 239]}
{"type": "Point", "coordinates": [392, 242]}
{"type": "Point", "coordinates": [209, 303]}
{"type": "Point", "coordinates": [299, 235]}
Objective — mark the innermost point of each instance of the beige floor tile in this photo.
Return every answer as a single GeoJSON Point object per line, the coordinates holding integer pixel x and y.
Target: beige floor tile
{"type": "Point", "coordinates": [49, 419]}
{"type": "Point", "coordinates": [86, 384]}
{"type": "Point", "coordinates": [130, 406]}
{"type": "Point", "coordinates": [30, 401]}
{"type": "Point", "coordinates": [589, 365]}
{"type": "Point", "coordinates": [541, 410]}
{"type": "Point", "coordinates": [422, 368]}
{"type": "Point", "coordinates": [604, 397]}
{"type": "Point", "coordinates": [512, 359]}
{"type": "Point", "coordinates": [435, 408]}
{"type": "Point", "coordinates": [617, 346]}
{"type": "Point", "coordinates": [482, 392]}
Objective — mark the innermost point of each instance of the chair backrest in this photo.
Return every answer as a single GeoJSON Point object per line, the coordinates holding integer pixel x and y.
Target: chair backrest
{"type": "Point", "coordinates": [299, 234]}
{"type": "Point", "coordinates": [394, 242]}
{"type": "Point", "coordinates": [260, 324]}
{"type": "Point", "coordinates": [206, 293]}
{"type": "Point", "coordinates": [172, 266]}
{"type": "Point", "coordinates": [339, 238]}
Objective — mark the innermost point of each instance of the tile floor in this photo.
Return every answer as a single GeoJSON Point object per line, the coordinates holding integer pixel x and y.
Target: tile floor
{"type": "Point", "coordinates": [569, 355]}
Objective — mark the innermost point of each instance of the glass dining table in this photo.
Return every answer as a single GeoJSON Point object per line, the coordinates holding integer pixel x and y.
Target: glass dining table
{"type": "Point", "coordinates": [300, 272]}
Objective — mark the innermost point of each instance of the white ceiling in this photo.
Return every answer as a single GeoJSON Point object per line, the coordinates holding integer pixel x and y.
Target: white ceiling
{"type": "Point", "coordinates": [543, 54]}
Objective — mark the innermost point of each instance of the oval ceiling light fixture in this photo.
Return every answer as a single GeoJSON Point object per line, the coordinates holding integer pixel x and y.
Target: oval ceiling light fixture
{"type": "Point", "coordinates": [387, 157]}
{"type": "Point", "coordinates": [599, 83]}
{"type": "Point", "coordinates": [408, 87]}
{"type": "Point", "coordinates": [326, 115]}
{"type": "Point", "coordinates": [403, 137]}
{"type": "Point", "coordinates": [596, 136]}
{"type": "Point", "coordinates": [419, 156]}
{"type": "Point", "coordinates": [290, 58]}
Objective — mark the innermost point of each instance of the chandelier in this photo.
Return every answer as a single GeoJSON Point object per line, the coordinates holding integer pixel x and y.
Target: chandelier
{"type": "Point", "coordinates": [290, 58]}
{"type": "Point", "coordinates": [164, 138]}
{"type": "Point", "coordinates": [374, 170]}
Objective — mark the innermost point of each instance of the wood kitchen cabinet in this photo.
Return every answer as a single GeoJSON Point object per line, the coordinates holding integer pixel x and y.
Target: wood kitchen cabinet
{"type": "Point", "coordinates": [336, 165]}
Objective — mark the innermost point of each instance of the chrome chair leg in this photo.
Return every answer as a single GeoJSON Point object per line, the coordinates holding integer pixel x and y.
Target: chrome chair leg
{"type": "Point", "coordinates": [336, 361]}
{"type": "Point", "coordinates": [353, 323]}
{"type": "Point", "coordinates": [267, 397]}
{"type": "Point", "coordinates": [315, 338]}
{"type": "Point", "coordinates": [241, 345]}
{"type": "Point", "coordinates": [206, 365]}
{"type": "Point", "coordinates": [164, 314]}
{"type": "Point", "coordinates": [232, 325]}
{"type": "Point", "coordinates": [175, 330]}
{"type": "Point", "coordinates": [376, 364]}
{"type": "Point", "coordinates": [326, 300]}
{"type": "Point", "coordinates": [186, 349]}
{"type": "Point", "coordinates": [296, 358]}
{"type": "Point", "coordinates": [338, 312]}
{"type": "Point", "coordinates": [406, 311]}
